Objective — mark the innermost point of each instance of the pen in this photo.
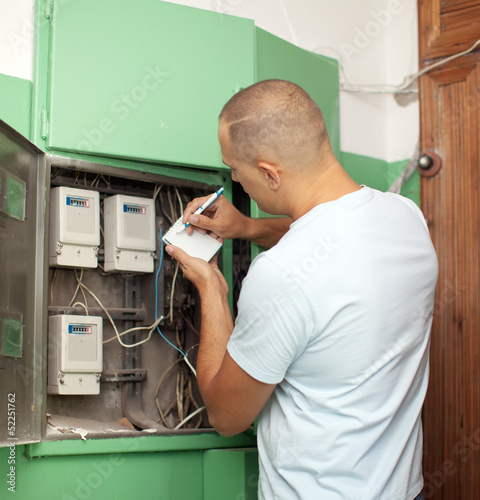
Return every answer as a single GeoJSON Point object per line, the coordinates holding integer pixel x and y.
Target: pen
{"type": "Point", "coordinates": [210, 200]}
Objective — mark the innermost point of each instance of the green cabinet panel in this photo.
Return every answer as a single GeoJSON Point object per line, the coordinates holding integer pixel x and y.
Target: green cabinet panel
{"type": "Point", "coordinates": [230, 474]}
{"type": "Point", "coordinates": [112, 476]}
{"type": "Point", "coordinates": [143, 80]}
{"type": "Point", "coordinates": [145, 467]}
{"type": "Point", "coordinates": [318, 75]}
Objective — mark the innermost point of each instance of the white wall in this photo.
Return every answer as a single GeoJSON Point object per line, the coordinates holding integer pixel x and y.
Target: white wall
{"type": "Point", "coordinates": [376, 41]}
{"type": "Point", "coordinates": [16, 38]}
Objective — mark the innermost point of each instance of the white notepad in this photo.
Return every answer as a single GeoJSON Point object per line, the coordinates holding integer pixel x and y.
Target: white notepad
{"type": "Point", "coordinates": [196, 244]}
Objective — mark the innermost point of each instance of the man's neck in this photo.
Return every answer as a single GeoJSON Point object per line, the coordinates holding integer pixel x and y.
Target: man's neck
{"type": "Point", "coordinates": [331, 183]}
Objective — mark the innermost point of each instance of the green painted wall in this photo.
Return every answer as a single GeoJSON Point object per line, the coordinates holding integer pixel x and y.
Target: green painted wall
{"type": "Point", "coordinates": [16, 103]}
{"type": "Point", "coordinates": [379, 174]}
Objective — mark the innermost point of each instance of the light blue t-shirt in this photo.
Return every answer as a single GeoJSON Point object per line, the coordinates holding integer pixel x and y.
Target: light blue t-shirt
{"type": "Point", "coordinates": [338, 314]}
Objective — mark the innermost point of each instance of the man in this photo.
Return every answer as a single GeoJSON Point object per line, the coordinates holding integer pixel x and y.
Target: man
{"type": "Point", "coordinates": [330, 345]}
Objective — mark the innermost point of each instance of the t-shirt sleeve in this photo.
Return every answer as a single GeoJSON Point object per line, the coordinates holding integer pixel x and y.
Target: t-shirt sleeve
{"type": "Point", "coordinates": [273, 324]}
{"type": "Point", "coordinates": [414, 207]}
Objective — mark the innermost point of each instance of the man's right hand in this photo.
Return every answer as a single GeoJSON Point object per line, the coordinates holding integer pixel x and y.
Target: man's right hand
{"type": "Point", "coordinates": [225, 221]}
{"type": "Point", "coordinates": [221, 218]}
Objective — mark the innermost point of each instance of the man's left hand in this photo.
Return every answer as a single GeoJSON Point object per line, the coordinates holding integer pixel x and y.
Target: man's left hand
{"type": "Point", "coordinates": [201, 273]}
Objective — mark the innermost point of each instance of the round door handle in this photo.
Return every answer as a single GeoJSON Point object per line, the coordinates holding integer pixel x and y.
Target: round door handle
{"type": "Point", "coordinates": [429, 164]}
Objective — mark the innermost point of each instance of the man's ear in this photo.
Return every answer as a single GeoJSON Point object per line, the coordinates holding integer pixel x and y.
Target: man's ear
{"type": "Point", "coordinates": [271, 173]}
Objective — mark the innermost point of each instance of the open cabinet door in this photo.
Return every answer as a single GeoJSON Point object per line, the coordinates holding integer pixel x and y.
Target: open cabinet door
{"type": "Point", "coordinates": [22, 287]}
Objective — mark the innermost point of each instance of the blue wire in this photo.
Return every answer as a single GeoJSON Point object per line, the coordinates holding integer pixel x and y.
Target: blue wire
{"type": "Point", "coordinates": [156, 293]}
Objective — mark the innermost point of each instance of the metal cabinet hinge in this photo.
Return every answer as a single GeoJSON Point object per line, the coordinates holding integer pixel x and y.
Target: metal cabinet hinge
{"type": "Point", "coordinates": [44, 128]}
{"type": "Point", "coordinates": [48, 9]}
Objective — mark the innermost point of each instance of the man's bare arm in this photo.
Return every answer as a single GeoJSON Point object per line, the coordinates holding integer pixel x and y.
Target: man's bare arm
{"type": "Point", "coordinates": [232, 397]}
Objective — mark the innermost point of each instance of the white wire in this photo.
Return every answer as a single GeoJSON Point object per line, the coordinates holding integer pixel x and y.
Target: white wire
{"type": "Point", "coordinates": [437, 64]}
{"type": "Point", "coordinates": [151, 328]}
{"type": "Point", "coordinates": [407, 172]}
{"type": "Point", "coordinates": [172, 291]}
{"type": "Point", "coordinates": [403, 88]}
{"type": "Point", "coordinates": [78, 287]}
{"type": "Point", "coordinates": [187, 361]}
{"type": "Point", "coordinates": [115, 326]}
{"type": "Point", "coordinates": [179, 199]}
{"type": "Point", "coordinates": [376, 89]}
{"type": "Point", "coordinates": [157, 191]}
{"type": "Point", "coordinates": [81, 304]}
{"type": "Point", "coordinates": [174, 280]}
{"type": "Point", "coordinates": [186, 419]}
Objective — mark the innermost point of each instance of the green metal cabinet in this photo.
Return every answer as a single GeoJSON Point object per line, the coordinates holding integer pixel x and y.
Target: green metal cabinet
{"type": "Point", "coordinates": [147, 81]}
{"type": "Point", "coordinates": [142, 80]}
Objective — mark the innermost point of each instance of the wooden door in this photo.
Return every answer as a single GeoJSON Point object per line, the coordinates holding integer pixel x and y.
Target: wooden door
{"type": "Point", "coordinates": [450, 126]}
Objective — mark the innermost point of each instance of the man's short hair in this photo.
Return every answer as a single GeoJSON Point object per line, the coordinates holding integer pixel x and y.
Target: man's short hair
{"type": "Point", "coordinates": [275, 121]}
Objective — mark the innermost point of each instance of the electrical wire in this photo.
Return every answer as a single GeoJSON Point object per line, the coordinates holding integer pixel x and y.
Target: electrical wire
{"type": "Point", "coordinates": [190, 324]}
{"type": "Point", "coordinates": [407, 172]}
{"type": "Point", "coordinates": [151, 329]}
{"type": "Point", "coordinates": [179, 199]}
{"type": "Point", "coordinates": [172, 292]}
{"type": "Point", "coordinates": [175, 401]}
{"type": "Point", "coordinates": [117, 334]}
{"type": "Point", "coordinates": [186, 419]}
{"type": "Point", "coordinates": [437, 64]}
{"type": "Point", "coordinates": [170, 219]}
{"type": "Point", "coordinates": [101, 225]}
{"type": "Point", "coordinates": [192, 398]}
{"type": "Point", "coordinates": [184, 356]}
{"type": "Point", "coordinates": [106, 180]}
{"type": "Point", "coordinates": [76, 289]}
{"type": "Point", "coordinates": [175, 275]}
{"type": "Point", "coordinates": [179, 393]}
{"type": "Point", "coordinates": [156, 191]}
{"type": "Point", "coordinates": [83, 305]}
{"type": "Point", "coordinates": [403, 88]}
{"type": "Point", "coordinates": [52, 281]}
{"type": "Point", "coordinates": [165, 213]}
{"type": "Point", "coordinates": [173, 212]}
{"type": "Point", "coordinates": [162, 378]}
